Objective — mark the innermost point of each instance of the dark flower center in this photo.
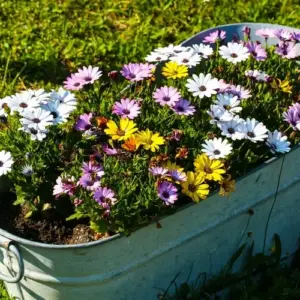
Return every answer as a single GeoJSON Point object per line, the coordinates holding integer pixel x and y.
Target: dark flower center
{"type": "Point", "coordinates": [165, 194]}
{"type": "Point", "coordinates": [217, 152]}
{"type": "Point", "coordinates": [131, 75]}
{"type": "Point", "coordinates": [3, 119]}
{"type": "Point", "coordinates": [89, 182]}
{"type": "Point", "coordinates": [36, 120]}
{"type": "Point", "coordinates": [54, 114]}
{"type": "Point", "coordinates": [23, 105]}
{"type": "Point", "coordinates": [102, 199]}
{"type": "Point", "coordinates": [230, 130]}
{"type": "Point", "coordinates": [77, 84]}
{"type": "Point", "coordinates": [185, 60]}
{"type": "Point", "coordinates": [208, 170]}
{"type": "Point", "coordinates": [1, 163]}
{"type": "Point", "coordinates": [192, 188]}
{"type": "Point", "coordinates": [120, 132]}
{"type": "Point", "coordinates": [33, 131]}
{"type": "Point", "coordinates": [158, 58]}
{"type": "Point", "coordinates": [234, 55]}
{"type": "Point", "coordinates": [87, 126]}
{"type": "Point", "coordinates": [180, 108]}
{"type": "Point", "coordinates": [166, 99]}
{"type": "Point", "coordinates": [273, 147]}
{"type": "Point", "coordinates": [202, 88]}
{"type": "Point", "coordinates": [126, 111]}
{"type": "Point", "coordinates": [254, 53]}
{"type": "Point", "coordinates": [88, 78]}
{"type": "Point", "coordinates": [217, 118]}
{"type": "Point", "coordinates": [227, 107]}
{"type": "Point", "coordinates": [251, 134]}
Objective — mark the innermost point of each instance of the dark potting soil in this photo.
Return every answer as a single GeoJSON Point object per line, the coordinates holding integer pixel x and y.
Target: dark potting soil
{"type": "Point", "coordinates": [49, 228]}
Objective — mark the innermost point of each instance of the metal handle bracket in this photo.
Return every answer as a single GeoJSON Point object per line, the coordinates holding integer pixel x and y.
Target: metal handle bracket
{"type": "Point", "coordinates": [12, 248]}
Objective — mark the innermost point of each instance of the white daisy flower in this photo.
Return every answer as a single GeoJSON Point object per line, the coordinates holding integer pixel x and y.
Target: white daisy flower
{"type": "Point", "coordinates": [262, 76]}
{"type": "Point", "coordinates": [171, 50]}
{"type": "Point", "coordinates": [234, 52]}
{"type": "Point", "coordinates": [188, 58]}
{"type": "Point", "coordinates": [35, 135]}
{"type": "Point", "coordinates": [202, 85]}
{"type": "Point", "coordinates": [254, 131]}
{"type": "Point", "coordinates": [27, 170]}
{"type": "Point", "coordinates": [59, 111]}
{"type": "Point", "coordinates": [277, 142]}
{"type": "Point", "coordinates": [64, 96]}
{"type": "Point", "coordinates": [21, 102]}
{"type": "Point", "coordinates": [232, 128]}
{"type": "Point", "coordinates": [219, 114]}
{"type": "Point", "coordinates": [6, 162]}
{"type": "Point", "coordinates": [229, 102]}
{"type": "Point", "coordinates": [37, 119]}
{"type": "Point", "coordinates": [40, 95]}
{"type": "Point", "coordinates": [156, 57]}
{"type": "Point", "coordinates": [216, 148]}
{"type": "Point", "coordinates": [203, 50]}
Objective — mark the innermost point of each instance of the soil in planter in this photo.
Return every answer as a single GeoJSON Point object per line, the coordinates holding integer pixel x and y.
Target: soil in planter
{"type": "Point", "coordinates": [52, 229]}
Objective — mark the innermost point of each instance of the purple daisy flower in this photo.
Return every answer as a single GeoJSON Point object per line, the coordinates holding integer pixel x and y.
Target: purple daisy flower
{"type": "Point", "coordinates": [265, 33]}
{"type": "Point", "coordinates": [93, 169]}
{"type": "Point", "coordinates": [239, 91]}
{"type": "Point", "coordinates": [84, 122]}
{"type": "Point", "coordinates": [178, 175]}
{"type": "Point", "coordinates": [283, 34]}
{"type": "Point", "coordinates": [88, 182]}
{"type": "Point", "coordinates": [64, 185]}
{"type": "Point", "coordinates": [105, 196]}
{"type": "Point", "coordinates": [288, 49]}
{"type": "Point", "coordinates": [158, 171]}
{"type": "Point", "coordinates": [166, 96]}
{"type": "Point", "coordinates": [88, 74]}
{"type": "Point", "coordinates": [109, 151]}
{"type": "Point", "coordinates": [256, 50]}
{"type": "Point", "coordinates": [167, 192]}
{"type": "Point", "coordinates": [247, 31]}
{"type": "Point", "coordinates": [292, 116]}
{"type": "Point", "coordinates": [127, 108]}
{"type": "Point", "coordinates": [296, 36]}
{"type": "Point", "coordinates": [74, 83]}
{"type": "Point", "coordinates": [184, 107]}
{"type": "Point", "coordinates": [215, 36]}
{"type": "Point", "coordinates": [137, 72]}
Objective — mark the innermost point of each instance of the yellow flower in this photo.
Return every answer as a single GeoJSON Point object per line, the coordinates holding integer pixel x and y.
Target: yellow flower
{"type": "Point", "coordinates": [195, 187]}
{"type": "Point", "coordinates": [172, 166]}
{"type": "Point", "coordinates": [130, 144]}
{"type": "Point", "coordinates": [227, 186]}
{"type": "Point", "coordinates": [149, 140]}
{"type": "Point", "coordinates": [211, 169]}
{"type": "Point", "coordinates": [284, 85]}
{"type": "Point", "coordinates": [173, 70]}
{"type": "Point", "coordinates": [122, 133]}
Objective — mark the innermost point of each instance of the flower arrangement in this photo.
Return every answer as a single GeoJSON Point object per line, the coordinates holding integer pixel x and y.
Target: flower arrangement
{"type": "Point", "coordinates": [126, 147]}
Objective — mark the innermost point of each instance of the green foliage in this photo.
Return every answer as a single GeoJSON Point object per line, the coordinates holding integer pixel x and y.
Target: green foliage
{"type": "Point", "coordinates": [262, 277]}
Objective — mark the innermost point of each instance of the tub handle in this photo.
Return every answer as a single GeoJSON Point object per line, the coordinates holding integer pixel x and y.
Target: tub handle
{"type": "Point", "coordinates": [11, 247]}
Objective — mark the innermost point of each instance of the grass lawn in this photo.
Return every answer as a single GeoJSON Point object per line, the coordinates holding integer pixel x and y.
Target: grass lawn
{"type": "Point", "coordinates": [42, 41]}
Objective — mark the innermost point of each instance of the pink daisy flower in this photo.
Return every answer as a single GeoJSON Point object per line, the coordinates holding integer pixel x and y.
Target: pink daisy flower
{"type": "Point", "coordinates": [74, 83]}
{"type": "Point", "coordinates": [88, 74]}
{"type": "Point", "coordinates": [166, 96]}
{"type": "Point", "coordinates": [266, 33]}
{"type": "Point", "coordinates": [126, 108]}
{"type": "Point", "coordinates": [215, 36]}
{"type": "Point", "coordinates": [137, 72]}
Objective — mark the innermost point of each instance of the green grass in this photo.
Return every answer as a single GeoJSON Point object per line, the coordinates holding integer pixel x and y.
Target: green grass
{"type": "Point", "coordinates": [43, 41]}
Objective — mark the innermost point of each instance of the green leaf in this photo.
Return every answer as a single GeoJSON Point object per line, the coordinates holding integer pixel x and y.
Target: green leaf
{"type": "Point", "coordinates": [99, 226]}
{"type": "Point", "coordinates": [77, 215]}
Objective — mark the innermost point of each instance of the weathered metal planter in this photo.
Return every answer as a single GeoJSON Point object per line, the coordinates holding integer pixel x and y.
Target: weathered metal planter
{"type": "Point", "coordinates": [198, 238]}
